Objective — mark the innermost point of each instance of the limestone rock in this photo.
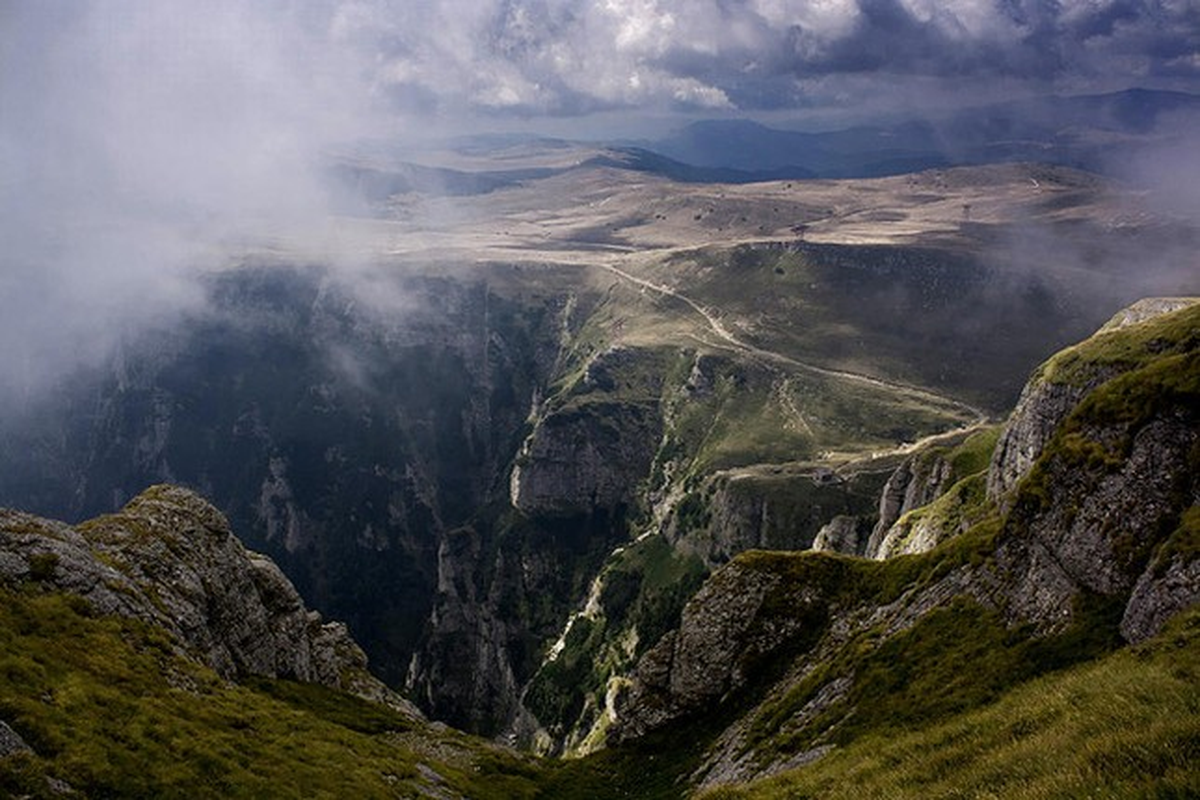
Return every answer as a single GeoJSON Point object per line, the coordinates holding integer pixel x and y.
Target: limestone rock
{"type": "Point", "coordinates": [1147, 308]}
{"type": "Point", "coordinates": [587, 457]}
{"type": "Point", "coordinates": [11, 742]}
{"type": "Point", "coordinates": [720, 640]}
{"type": "Point", "coordinates": [170, 559]}
{"type": "Point", "coordinates": [918, 481]}
{"type": "Point", "coordinates": [842, 534]}
{"type": "Point", "coordinates": [1042, 407]}
{"type": "Point", "coordinates": [1162, 591]}
{"type": "Point", "coordinates": [1045, 403]}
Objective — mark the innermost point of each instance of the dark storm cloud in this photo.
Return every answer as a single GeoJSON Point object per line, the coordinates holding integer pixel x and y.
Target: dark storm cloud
{"type": "Point", "coordinates": [534, 57]}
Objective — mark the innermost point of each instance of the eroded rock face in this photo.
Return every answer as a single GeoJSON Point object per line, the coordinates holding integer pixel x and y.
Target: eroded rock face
{"type": "Point", "coordinates": [1099, 491]}
{"type": "Point", "coordinates": [718, 643]}
{"type": "Point", "coordinates": [917, 482]}
{"type": "Point", "coordinates": [1101, 524]}
{"type": "Point", "coordinates": [1045, 403]}
{"type": "Point", "coordinates": [170, 559]}
{"type": "Point", "coordinates": [1161, 592]}
{"type": "Point", "coordinates": [1043, 406]}
{"type": "Point", "coordinates": [843, 534]}
{"type": "Point", "coordinates": [586, 458]}
{"type": "Point", "coordinates": [11, 742]}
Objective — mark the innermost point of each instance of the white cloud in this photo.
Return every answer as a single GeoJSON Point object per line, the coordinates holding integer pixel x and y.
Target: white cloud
{"type": "Point", "coordinates": [134, 135]}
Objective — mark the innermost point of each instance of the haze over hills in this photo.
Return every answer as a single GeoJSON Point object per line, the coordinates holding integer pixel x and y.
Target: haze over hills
{"type": "Point", "coordinates": [688, 427]}
{"type": "Point", "coordinates": [1100, 133]}
{"type": "Point", "coordinates": [444, 439]}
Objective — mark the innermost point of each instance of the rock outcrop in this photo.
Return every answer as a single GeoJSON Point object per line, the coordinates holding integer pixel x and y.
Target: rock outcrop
{"type": "Point", "coordinates": [593, 450]}
{"type": "Point", "coordinates": [843, 534]}
{"type": "Point", "coordinates": [741, 510]}
{"type": "Point", "coordinates": [933, 495]}
{"type": "Point", "coordinates": [915, 483]}
{"type": "Point", "coordinates": [1096, 510]}
{"type": "Point", "coordinates": [11, 742]}
{"type": "Point", "coordinates": [1053, 392]}
{"type": "Point", "coordinates": [169, 558]}
{"type": "Point", "coordinates": [585, 458]}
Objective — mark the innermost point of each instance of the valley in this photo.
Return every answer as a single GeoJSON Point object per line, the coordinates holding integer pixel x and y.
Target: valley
{"type": "Point", "coordinates": [507, 432]}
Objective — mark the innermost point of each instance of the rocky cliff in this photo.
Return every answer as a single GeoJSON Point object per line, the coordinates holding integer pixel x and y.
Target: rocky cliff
{"type": "Point", "coordinates": [168, 558]}
{"type": "Point", "coordinates": [1090, 541]}
{"type": "Point", "coordinates": [451, 457]}
{"type": "Point", "coordinates": [936, 493]}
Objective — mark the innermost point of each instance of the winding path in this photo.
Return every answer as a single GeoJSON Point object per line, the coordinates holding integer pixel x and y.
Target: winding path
{"type": "Point", "coordinates": [723, 333]}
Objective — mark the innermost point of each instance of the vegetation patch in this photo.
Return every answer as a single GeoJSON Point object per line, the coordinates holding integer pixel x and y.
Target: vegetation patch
{"type": "Point", "coordinates": [1125, 349]}
{"type": "Point", "coordinates": [1126, 725]}
{"type": "Point", "coordinates": [109, 708]}
{"type": "Point", "coordinates": [643, 591]}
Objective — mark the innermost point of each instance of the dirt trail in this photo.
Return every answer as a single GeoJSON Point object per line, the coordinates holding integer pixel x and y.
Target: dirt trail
{"type": "Point", "coordinates": [723, 333]}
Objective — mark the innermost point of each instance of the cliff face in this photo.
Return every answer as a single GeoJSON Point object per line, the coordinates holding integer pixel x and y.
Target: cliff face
{"type": "Point", "coordinates": [1090, 541]}
{"type": "Point", "coordinates": [1053, 393]}
{"type": "Point", "coordinates": [935, 494]}
{"type": "Point", "coordinates": [915, 483]}
{"type": "Point", "coordinates": [593, 450]}
{"type": "Point", "coordinates": [380, 446]}
{"type": "Point", "coordinates": [761, 510]}
{"type": "Point", "coordinates": [169, 558]}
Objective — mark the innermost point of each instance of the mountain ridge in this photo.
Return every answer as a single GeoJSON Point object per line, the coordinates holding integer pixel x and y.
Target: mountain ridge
{"type": "Point", "coordinates": [1091, 550]}
{"type": "Point", "coordinates": [781, 662]}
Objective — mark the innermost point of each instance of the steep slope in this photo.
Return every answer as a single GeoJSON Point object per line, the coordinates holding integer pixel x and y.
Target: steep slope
{"type": "Point", "coordinates": [147, 653]}
{"type": "Point", "coordinates": [1124, 725]}
{"type": "Point", "coordinates": [785, 657]}
{"type": "Point", "coordinates": [453, 423]}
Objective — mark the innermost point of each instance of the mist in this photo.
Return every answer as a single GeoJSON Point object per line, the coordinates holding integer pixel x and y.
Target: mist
{"type": "Point", "coordinates": [144, 143]}
{"type": "Point", "coordinates": [141, 143]}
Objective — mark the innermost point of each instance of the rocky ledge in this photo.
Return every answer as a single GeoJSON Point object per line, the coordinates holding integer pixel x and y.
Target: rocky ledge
{"type": "Point", "coordinates": [1087, 533]}
{"type": "Point", "coordinates": [168, 558]}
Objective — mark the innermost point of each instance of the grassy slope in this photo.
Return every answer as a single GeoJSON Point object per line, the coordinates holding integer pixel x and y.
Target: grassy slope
{"type": "Point", "coordinates": [962, 705]}
{"type": "Point", "coordinates": [1125, 726]}
{"type": "Point", "coordinates": [108, 707]}
{"type": "Point", "coordinates": [889, 311]}
{"type": "Point", "coordinates": [965, 502]}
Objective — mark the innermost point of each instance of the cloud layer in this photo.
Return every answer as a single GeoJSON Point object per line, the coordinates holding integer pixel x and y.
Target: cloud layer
{"type": "Point", "coordinates": [137, 136]}
{"type": "Point", "coordinates": [572, 56]}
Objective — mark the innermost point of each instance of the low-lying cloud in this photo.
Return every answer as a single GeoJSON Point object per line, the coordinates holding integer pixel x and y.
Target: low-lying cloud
{"type": "Point", "coordinates": [137, 138]}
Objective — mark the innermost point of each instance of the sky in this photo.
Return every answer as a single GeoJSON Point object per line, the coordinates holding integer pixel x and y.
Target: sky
{"type": "Point", "coordinates": [136, 135]}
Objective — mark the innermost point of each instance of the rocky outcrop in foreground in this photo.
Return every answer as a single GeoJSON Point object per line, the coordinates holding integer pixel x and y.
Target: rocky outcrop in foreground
{"type": "Point", "coordinates": [169, 558]}
{"type": "Point", "coordinates": [1088, 537]}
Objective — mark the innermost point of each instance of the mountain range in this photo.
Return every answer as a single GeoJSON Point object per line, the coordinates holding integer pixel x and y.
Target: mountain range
{"type": "Point", "coordinates": [148, 653]}
{"type": "Point", "coordinates": [708, 477]}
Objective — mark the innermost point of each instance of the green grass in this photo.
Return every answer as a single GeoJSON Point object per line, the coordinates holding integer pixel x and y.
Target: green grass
{"type": "Point", "coordinates": [643, 590]}
{"type": "Point", "coordinates": [884, 310]}
{"type": "Point", "coordinates": [1127, 725]}
{"type": "Point", "coordinates": [109, 707]}
{"type": "Point", "coordinates": [961, 506]}
{"type": "Point", "coordinates": [913, 676]}
{"type": "Point", "coordinates": [656, 766]}
{"type": "Point", "coordinates": [965, 503]}
{"type": "Point", "coordinates": [974, 454]}
{"type": "Point", "coordinates": [1125, 349]}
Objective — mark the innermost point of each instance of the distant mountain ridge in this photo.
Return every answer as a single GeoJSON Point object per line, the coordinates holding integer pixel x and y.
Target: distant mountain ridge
{"type": "Point", "coordinates": [1097, 133]}
{"type": "Point", "coordinates": [1076, 131]}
